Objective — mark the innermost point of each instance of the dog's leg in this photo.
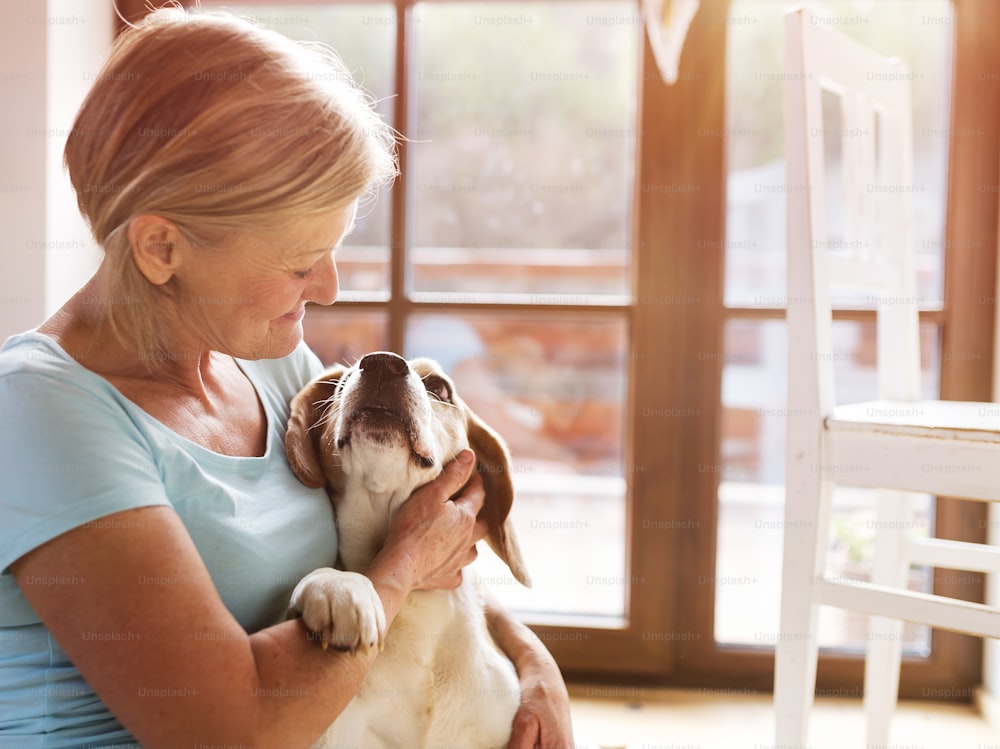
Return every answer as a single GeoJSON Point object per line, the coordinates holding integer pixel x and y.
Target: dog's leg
{"type": "Point", "coordinates": [341, 608]}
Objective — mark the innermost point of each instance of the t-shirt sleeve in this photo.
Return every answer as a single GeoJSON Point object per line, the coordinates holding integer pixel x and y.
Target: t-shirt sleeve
{"type": "Point", "coordinates": [68, 456]}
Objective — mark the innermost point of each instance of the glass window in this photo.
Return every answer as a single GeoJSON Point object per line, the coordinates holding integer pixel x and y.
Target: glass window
{"type": "Point", "coordinates": [522, 150]}
{"type": "Point", "coordinates": [752, 475]}
{"type": "Point", "coordinates": [920, 32]}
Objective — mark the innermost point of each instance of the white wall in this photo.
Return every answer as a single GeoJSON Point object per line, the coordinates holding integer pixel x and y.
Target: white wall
{"type": "Point", "coordinates": [49, 56]}
{"type": "Point", "coordinates": [75, 55]}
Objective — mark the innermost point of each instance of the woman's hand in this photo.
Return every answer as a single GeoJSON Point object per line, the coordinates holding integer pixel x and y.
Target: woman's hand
{"type": "Point", "coordinates": [543, 718]}
{"type": "Point", "coordinates": [435, 535]}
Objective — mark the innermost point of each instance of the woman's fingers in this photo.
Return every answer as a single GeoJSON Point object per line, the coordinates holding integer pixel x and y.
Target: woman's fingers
{"type": "Point", "coordinates": [439, 527]}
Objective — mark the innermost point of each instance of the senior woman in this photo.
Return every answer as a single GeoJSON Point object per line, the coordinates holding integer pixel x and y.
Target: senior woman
{"type": "Point", "coordinates": [150, 527]}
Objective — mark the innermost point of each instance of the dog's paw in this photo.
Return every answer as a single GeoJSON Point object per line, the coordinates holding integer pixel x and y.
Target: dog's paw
{"type": "Point", "coordinates": [341, 608]}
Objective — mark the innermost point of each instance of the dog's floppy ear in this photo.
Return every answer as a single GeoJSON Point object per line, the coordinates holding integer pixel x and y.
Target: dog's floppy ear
{"type": "Point", "coordinates": [303, 435]}
{"type": "Point", "coordinates": [493, 464]}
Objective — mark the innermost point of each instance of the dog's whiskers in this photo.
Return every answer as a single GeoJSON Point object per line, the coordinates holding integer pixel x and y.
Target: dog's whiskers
{"type": "Point", "coordinates": [329, 414]}
{"type": "Point", "coordinates": [330, 410]}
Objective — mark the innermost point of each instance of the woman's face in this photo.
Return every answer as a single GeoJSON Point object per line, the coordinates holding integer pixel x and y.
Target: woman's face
{"type": "Point", "coordinates": [247, 299]}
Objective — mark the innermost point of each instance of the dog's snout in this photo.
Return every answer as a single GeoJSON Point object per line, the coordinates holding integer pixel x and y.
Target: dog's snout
{"type": "Point", "coordinates": [385, 363]}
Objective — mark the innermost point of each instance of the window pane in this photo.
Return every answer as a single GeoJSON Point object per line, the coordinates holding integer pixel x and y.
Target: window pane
{"type": "Point", "coordinates": [522, 162]}
{"type": "Point", "coordinates": [920, 31]}
{"type": "Point", "coordinates": [752, 476]}
{"type": "Point", "coordinates": [365, 38]}
{"type": "Point", "coordinates": [555, 390]}
{"type": "Point", "coordinates": [338, 335]}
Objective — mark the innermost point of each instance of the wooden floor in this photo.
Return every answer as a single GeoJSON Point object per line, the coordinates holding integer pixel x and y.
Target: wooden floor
{"type": "Point", "coordinates": [625, 718]}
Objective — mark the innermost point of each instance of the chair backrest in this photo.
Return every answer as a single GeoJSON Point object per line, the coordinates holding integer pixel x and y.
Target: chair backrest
{"type": "Point", "coordinates": [873, 253]}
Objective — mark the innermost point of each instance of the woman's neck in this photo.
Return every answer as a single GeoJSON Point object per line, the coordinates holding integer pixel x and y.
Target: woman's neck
{"type": "Point", "coordinates": [83, 329]}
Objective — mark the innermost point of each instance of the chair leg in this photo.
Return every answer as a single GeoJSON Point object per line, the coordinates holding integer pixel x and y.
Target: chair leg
{"type": "Point", "coordinates": [796, 650]}
{"type": "Point", "coordinates": [885, 651]}
{"type": "Point", "coordinates": [795, 658]}
{"type": "Point", "coordinates": [890, 566]}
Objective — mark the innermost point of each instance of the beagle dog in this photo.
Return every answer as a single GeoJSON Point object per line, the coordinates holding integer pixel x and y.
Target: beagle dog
{"type": "Point", "coordinates": [371, 434]}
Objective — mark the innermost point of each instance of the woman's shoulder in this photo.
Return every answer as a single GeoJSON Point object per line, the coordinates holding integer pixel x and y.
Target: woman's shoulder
{"type": "Point", "coordinates": [33, 352]}
{"type": "Point", "coordinates": [39, 379]}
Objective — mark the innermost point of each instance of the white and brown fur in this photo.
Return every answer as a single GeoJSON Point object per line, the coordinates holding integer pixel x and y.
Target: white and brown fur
{"type": "Point", "coordinates": [371, 434]}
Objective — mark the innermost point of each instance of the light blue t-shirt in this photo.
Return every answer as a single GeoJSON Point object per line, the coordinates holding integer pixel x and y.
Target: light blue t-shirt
{"type": "Point", "coordinates": [73, 450]}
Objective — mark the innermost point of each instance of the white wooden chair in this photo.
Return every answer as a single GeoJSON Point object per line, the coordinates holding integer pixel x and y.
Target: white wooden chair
{"type": "Point", "coordinates": [898, 444]}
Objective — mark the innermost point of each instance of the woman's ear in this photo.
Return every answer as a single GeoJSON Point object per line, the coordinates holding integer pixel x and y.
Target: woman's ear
{"type": "Point", "coordinates": [154, 241]}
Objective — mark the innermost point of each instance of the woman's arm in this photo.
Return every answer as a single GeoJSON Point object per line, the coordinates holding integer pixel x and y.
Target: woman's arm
{"type": "Point", "coordinates": [134, 608]}
{"type": "Point", "coordinates": [543, 719]}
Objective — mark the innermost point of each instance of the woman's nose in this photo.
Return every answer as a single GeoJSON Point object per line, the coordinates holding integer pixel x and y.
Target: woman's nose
{"type": "Point", "coordinates": [326, 284]}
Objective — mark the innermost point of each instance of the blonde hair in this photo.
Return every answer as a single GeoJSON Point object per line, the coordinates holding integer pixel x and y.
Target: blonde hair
{"type": "Point", "coordinates": [222, 127]}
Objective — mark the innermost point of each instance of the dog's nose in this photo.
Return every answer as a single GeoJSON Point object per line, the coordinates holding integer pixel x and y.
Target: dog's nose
{"type": "Point", "coordinates": [385, 363]}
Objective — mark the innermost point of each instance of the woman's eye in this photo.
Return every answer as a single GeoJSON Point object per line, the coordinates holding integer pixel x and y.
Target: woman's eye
{"type": "Point", "coordinates": [302, 273]}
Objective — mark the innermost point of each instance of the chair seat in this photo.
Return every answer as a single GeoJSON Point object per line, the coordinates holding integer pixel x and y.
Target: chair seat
{"type": "Point", "coordinates": [948, 448]}
{"type": "Point", "coordinates": [956, 420]}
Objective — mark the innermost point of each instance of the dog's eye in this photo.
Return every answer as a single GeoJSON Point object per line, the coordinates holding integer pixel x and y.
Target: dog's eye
{"type": "Point", "coordinates": [437, 388]}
